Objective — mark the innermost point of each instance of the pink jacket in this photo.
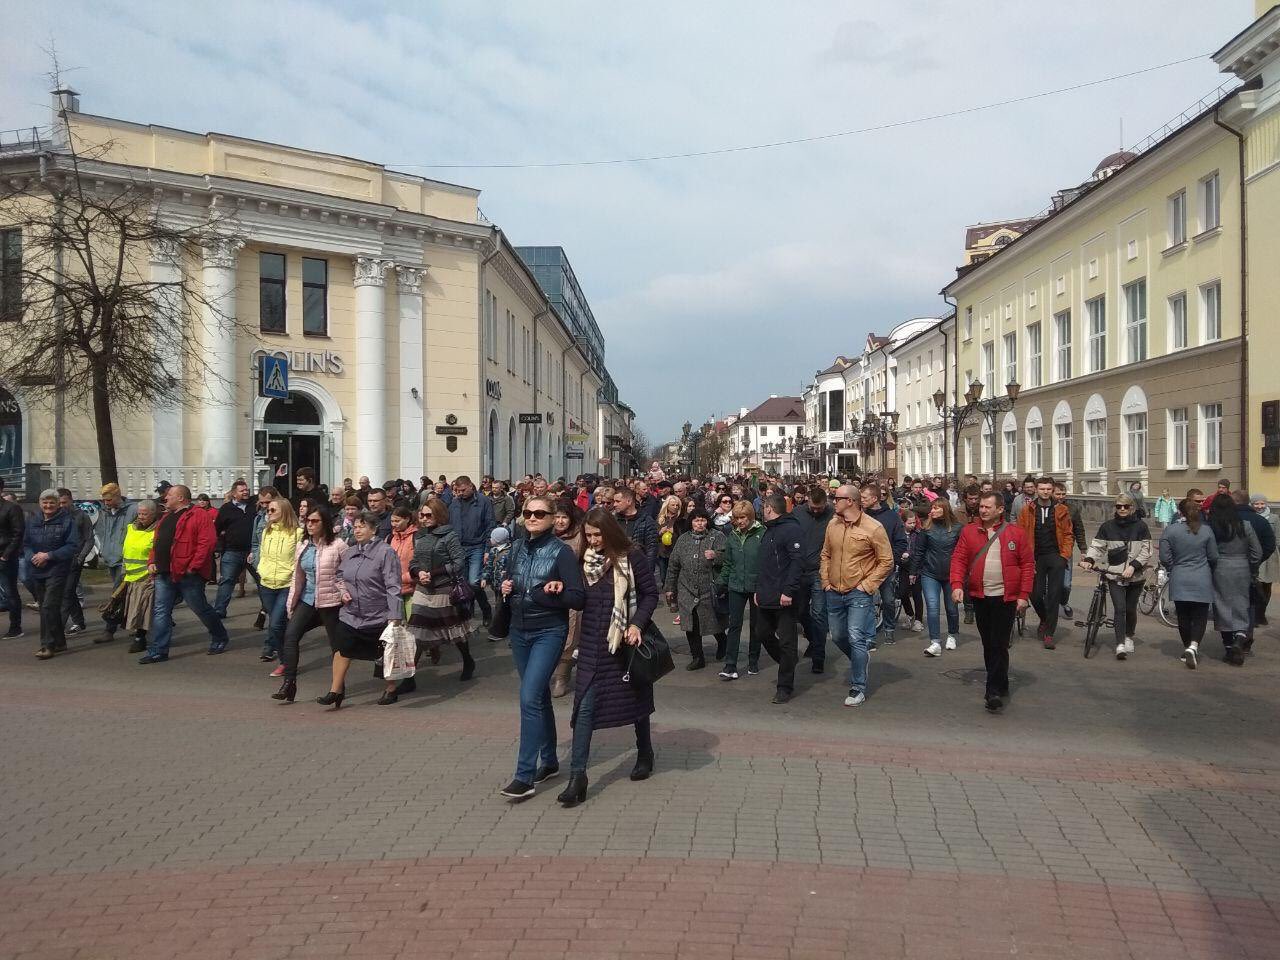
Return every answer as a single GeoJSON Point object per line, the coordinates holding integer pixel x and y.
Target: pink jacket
{"type": "Point", "coordinates": [328, 556]}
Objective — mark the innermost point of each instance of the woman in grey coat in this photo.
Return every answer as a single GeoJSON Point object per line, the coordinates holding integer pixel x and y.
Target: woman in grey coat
{"type": "Point", "coordinates": [1188, 553]}
{"type": "Point", "coordinates": [692, 572]}
{"type": "Point", "coordinates": [1239, 554]}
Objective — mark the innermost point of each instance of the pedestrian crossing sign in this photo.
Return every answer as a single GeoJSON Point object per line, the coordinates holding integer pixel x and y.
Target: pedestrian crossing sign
{"type": "Point", "coordinates": [274, 381]}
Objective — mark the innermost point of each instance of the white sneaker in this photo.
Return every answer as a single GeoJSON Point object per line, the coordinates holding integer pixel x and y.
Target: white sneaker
{"type": "Point", "coordinates": [917, 626]}
{"type": "Point", "coordinates": [934, 649]}
{"type": "Point", "coordinates": [1189, 657]}
{"type": "Point", "coordinates": [854, 698]}
{"type": "Point", "coordinates": [951, 642]}
{"type": "Point", "coordinates": [1128, 644]}
{"type": "Point", "coordinates": [1120, 651]}
{"type": "Point", "coordinates": [727, 674]}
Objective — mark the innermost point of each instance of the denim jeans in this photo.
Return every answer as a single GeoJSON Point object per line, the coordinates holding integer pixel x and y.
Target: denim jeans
{"type": "Point", "coordinates": [852, 618]}
{"type": "Point", "coordinates": [536, 655]}
{"type": "Point", "coordinates": [190, 589]}
{"type": "Point", "coordinates": [305, 617]}
{"type": "Point", "coordinates": [933, 591]}
{"type": "Point", "coordinates": [229, 570]}
{"type": "Point", "coordinates": [9, 598]}
{"type": "Point", "coordinates": [888, 606]}
{"type": "Point", "coordinates": [1066, 586]}
{"type": "Point", "coordinates": [274, 602]}
{"type": "Point", "coordinates": [811, 616]}
{"type": "Point", "coordinates": [475, 570]}
{"type": "Point", "coordinates": [582, 730]}
{"type": "Point", "coordinates": [738, 604]}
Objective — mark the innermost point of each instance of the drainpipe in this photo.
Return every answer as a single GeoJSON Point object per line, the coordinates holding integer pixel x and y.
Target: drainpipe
{"type": "Point", "coordinates": [482, 296]}
{"type": "Point", "coordinates": [1244, 304]}
{"type": "Point", "coordinates": [946, 376]}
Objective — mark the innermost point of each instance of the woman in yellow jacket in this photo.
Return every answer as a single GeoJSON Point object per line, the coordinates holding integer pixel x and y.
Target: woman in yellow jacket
{"type": "Point", "coordinates": [276, 557]}
{"type": "Point", "coordinates": [139, 595]}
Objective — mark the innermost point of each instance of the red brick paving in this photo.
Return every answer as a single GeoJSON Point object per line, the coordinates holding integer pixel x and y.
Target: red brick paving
{"type": "Point", "coordinates": [527, 907]}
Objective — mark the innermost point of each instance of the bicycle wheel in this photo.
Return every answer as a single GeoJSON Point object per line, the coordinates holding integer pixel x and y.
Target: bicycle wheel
{"type": "Point", "coordinates": [1149, 598]}
{"type": "Point", "coordinates": [1164, 606]}
{"type": "Point", "coordinates": [1094, 622]}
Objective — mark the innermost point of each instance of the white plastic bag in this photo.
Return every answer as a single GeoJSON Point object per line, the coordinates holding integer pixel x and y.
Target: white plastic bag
{"type": "Point", "coordinates": [398, 649]}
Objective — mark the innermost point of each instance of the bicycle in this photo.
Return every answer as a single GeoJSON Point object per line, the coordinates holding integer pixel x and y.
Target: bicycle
{"type": "Point", "coordinates": [1097, 617]}
{"type": "Point", "coordinates": [1154, 600]}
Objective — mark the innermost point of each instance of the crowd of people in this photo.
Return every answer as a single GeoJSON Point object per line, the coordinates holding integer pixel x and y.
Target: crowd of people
{"type": "Point", "coordinates": [570, 574]}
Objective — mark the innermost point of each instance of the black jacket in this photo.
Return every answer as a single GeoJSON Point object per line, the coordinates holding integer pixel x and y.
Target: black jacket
{"type": "Point", "coordinates": [781, 561]}
{"type": "Point", "coordinates": [13, 524]}
{"type": "Point", "coordinates": [643, 532]}
{"type": "Point", "coordinates": [888, 518]}
{"type": "Point", "coordinates": [814, 529]}
{"type": "Point", "coordinates": [1266, 536]}
{"type": "Point", "coordinates": [235, 526]}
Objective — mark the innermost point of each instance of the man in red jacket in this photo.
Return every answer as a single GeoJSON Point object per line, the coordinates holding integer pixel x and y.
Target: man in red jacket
{"type": "Point", "coordinates": [182, 562]}
{"type": "Point", "coordinates": [993, 560]}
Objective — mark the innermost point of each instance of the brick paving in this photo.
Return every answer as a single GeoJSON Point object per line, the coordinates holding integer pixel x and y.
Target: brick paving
{"type": "Point", "coordinates": [1115, 810]}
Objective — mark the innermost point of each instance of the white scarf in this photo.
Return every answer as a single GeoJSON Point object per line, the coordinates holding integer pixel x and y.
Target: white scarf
{"type": "Point", "coordinates": [594, 565]}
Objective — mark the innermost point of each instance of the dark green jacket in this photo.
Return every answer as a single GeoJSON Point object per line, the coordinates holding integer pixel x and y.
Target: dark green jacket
{"type": "Point", "coordinates": [742, 558]}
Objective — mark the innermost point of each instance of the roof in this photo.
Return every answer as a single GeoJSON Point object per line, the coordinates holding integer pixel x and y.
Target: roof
{"type": "Point", "coordinates": [1118, 159]}
{"type": "Point", "coordinates": [980, 231]}
{"type": "Point", "coordinates": [840, 366]}
{"type": "Point", "coordinates": [777, 410]}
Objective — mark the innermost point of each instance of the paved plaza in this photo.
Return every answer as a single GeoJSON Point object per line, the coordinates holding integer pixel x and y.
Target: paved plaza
{"type": "Point", "coordinates": [1114, 810]}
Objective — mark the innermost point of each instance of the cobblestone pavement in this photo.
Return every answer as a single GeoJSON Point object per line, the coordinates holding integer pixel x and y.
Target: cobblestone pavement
{"type": "Point", "coordinates": [1114, 810]}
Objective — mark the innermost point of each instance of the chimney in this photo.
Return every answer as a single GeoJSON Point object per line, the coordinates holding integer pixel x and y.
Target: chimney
{"type": "Point", "coordinates": [66, 99]}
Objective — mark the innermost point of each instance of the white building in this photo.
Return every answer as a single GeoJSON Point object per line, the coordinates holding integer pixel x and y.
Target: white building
{"type": "Point", "coordinates": [768, 437]}
{"type": "Point", "coordinates": [919, 364]}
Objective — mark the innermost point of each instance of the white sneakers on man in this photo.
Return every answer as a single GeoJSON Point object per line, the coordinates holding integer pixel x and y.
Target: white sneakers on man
{"type": "Point", "coordinates": [855, 698]}
{"type": "Point", "coordinates": [1128, 644]}
{"type": "Point", "coordinates": [934, 649]}
{"type": "Point", "coordinates": [1124, 648]}
{"type": "Point", "coordinates": [951, 642]}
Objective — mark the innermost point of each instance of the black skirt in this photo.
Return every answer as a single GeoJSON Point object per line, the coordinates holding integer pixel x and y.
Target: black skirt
{"type": "Point", "coordinates": [360, 644]}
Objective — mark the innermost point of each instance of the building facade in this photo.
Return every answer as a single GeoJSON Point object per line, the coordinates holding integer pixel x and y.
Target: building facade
{"type": "Point", "coordinates": [768, 437]}
{"type": "Point", "coordinates": [416, 338]}
{"type": "Point", "coordinates": [919, 365]}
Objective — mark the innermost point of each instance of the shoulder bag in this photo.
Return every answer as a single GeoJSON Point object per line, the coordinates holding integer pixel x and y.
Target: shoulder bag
{"type": "Point", "coordinates": [650, 660]}
{"type": "Point", "coordinates": [982, 552]}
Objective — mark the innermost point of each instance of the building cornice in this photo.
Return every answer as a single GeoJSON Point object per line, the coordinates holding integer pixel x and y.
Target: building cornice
{"type": "Point", "coordinates": [1247, 52]}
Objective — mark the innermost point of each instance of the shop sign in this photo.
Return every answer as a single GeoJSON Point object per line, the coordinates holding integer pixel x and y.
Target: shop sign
{"type": "Point", "coordinates": [530, 418]}
{"type": "Point", "coordinates": [302, 361]}
{"type": "Point", "coordinates": [573, 455]}
{"type": "Point", "coordinates": [493, 389]}
{"type": "Point", "coordinates": [451, 431]}
{"type": "Point", "coordinates": [576, 437]}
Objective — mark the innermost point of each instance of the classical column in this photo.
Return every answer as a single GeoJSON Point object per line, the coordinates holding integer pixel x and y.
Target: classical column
{"type": "Point", "coordinates": [409, 296]}
{"type": "Point", "coordinates": [166, 416]}
{"type": "Point", "coordinates": [218, 314]}
{"type": "Point", "coordinates": [371, 368]}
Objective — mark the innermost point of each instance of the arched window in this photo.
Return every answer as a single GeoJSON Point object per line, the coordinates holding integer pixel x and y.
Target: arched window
{"type": "Point", "coordinates": [1034, 441]}
{"type": "Point", "coordinates": [1133, 417]}
{"type": "Point", "coordinates": [1095, 433]}
{"type": "Point", "coordinates": [1009, 444]}
{"type": "Point", "coordinates": [988, 447]}
{"type": "Point", "coordinates": [1062, 438]}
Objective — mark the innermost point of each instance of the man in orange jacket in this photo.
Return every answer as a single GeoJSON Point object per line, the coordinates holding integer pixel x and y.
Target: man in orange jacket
{"type": "Point", "coordinates": [1051, 534]}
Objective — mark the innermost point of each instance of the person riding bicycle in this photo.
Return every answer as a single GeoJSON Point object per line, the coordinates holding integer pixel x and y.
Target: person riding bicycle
{"type": "Point", "coordinates": [1121, 553]}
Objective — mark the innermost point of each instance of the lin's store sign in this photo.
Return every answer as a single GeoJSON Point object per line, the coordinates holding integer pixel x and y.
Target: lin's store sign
{"type": "Point", "coordinates": [303, 361]}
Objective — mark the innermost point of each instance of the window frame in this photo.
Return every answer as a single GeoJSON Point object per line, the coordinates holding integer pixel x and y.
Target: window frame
{"type": "Point", "coordinates": [1208, 424]}
{"type": "Point", "coordinates": [11, 308]}
{"type": "Point", "coordinates": [1206, 314]}
{"type": "Point", "coordinates": [1136, 329]}
{"type": "Point", "coordinates": [1177, 227]}
{"type": "Point", "coordinates": [1062, 349]}
{"type": "Point", "coordinates": [1035, 359]}
{"type": "Point", "coordinates": [1176, 322]}
{"type": "Point", "coordinates": [1095, 459]}
{"type": "Point", "coordinates": [1176, 459]}
{"type": "Point", "coordinates": [281, 284]}
{"type": "Point", "coordinates": [1095, 310]}
{"type": "Point", "coordinates": [1009, 439]}
{"type": "Point", "coordinates": [1062, 464]}
{"type": "Point", "coordinates": [1129, 431]}
{"type": "Point", "coordinates": [324, 297]}
{"type": "Point", "coordinates": [1210, 191]}
{"type": "Point", "coordinates": [1035, 444]}
{"type": "Point", "coordinates": [1010, 357]}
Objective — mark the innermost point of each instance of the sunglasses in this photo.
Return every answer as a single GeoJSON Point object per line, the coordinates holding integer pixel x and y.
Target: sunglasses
{"type": "Point", "coordinates": [1123, 506]}
{"type": "Point", "coordinates": [314, 520]}
{"type": "Point", "coordinates": [535, 514]}
{"type": "Point", "coordinates": [842, 498]}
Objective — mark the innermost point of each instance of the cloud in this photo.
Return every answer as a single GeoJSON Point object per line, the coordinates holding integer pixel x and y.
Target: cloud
{"type": "Point", "coordinates": [865, 43]}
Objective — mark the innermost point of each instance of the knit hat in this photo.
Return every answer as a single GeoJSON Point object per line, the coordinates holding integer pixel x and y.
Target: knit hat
{"type": "Point", "coordinates": [499, 536]}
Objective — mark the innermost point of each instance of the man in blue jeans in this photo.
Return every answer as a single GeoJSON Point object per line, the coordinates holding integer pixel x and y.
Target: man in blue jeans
{"type": "Point", "coordinates": [855, 561]}
{"type": "Point", "coordinates": [471, 516]}
{"type": "Point", "coordinates": [234, 526]}
{"type": "Point", "coordinates": [873, 504]}
{"type": "Point", "coordinates": [811, 614]}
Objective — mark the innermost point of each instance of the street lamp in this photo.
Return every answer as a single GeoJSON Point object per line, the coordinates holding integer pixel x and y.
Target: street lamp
{"type": "Point", "coordinates": [975, 407]}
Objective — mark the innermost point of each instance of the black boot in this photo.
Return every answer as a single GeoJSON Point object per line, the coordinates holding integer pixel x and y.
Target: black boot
{"type": "Point", "coordinates": [643, 767]}
{"type": "Point", "coordinates": [575, 791]}
{"type": "Point", "coordinates": [695, 651]}
{"type": "Point", "coordinates": [468, 661]}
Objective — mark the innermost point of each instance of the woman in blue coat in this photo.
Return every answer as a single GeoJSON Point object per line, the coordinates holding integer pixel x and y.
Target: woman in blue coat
{"type": "Point", "coordinates": [621, 598]}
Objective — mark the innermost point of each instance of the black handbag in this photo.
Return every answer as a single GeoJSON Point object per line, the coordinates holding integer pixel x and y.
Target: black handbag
{"type": "Point", "coordinates": [650, 660]}
{"type": "Point", "coordinates": [500, 623]}
{"type": "Point", "coordinates": [462, 596]}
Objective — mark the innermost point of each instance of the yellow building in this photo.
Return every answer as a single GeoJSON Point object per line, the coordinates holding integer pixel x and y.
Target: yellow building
{"type": "Point", "coordinates": [1254, 114]}
{"type": "Point", "coordinates": [418, 340]}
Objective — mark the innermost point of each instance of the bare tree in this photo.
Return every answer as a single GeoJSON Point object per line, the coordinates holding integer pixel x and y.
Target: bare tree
{"type": "Point", "coordinates": [712, 447]}
{"type": "Point", "coordinates": [97, 328]}
{"type": "Point", "coordinates": [641, 448]}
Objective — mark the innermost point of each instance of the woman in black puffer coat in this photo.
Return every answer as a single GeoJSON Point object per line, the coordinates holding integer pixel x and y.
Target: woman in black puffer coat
{"type": "Point", "coordinates": [621, 597]}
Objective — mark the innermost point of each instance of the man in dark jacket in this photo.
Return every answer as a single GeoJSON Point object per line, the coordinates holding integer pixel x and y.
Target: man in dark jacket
{"type": "Point", "coordinates": [811, 605]}
{"type": "Point", "coordinates": [471, 516]}
{"type": "Point", "coordinates": [72, 610]}
{"type": "Point", "coordinates": [50, 543]}
{"type": "Point", "coordinates": [639, 527]}
{"type": "Point", "coordinates": [234, 527]}
{"type": "Point", "coordinates": [307, 486]}
{"type": "Point", "coordinates": [873, 504]}
{"type": "Point", "coordinates": [12, 528]}
{"type": "Point", "coordinates": [1267, 540]}
{"type": "Point", "coordinates": [778, 584]}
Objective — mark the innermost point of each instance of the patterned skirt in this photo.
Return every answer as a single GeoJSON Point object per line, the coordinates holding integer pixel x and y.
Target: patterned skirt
{"type": "Point", "coordinates": [139, 599]}
{"type": "Point", "coordinates": [433, 618]}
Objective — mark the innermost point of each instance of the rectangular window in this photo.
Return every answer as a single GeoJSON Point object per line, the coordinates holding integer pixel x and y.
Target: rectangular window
{"type": "Point", "coordinates": [968, 454]}
{"type": "Point", "coordinates": [1210, 435]}
{"type": "Point", "coordinates": [1010, 358]}
{"type": "Point", "coordinates": [1033, 356]}
{"type": "Point", "coordinates": [989, 368]}
{"type": "Point", "coordinates": [1210, 203]}
{"type": "Point", "coordinates": [1062, 447]}
{"type": "Point", "coordinates": [1177, 452]}
{"type": "Point", "coordinates": [1178, 218]}
{"type": "Point", "coordinates": [511, 342]}
{"type": "Point", "coordinates": [1062, 333]}
{"type": "Point", "coordinates": [1095, 432]}
{"type": "Point", "coordinates": [764, 431]}
{"type": "Point", "coordinates": [1135, 440]}
{"type": "Point", "coordinates": [968, 323]}
{"type": "Point", "coordinates": [1035, 449]}
{"type": "Point", "coordinates": [1135, 320]}
{"type": "Point", "coordinates": [271, 267]}
{"type": "Point", "coordinates": [1178, 321]}
{"type": "Point", "coordinates": [10, 275]}
{"type": "Point", "coordinates": [1010, 461]}
{"type": "Point", "coordinates": [315, 296]}
{"type": "Point", "coordinates": [988, 450]}
{"type": "Point", "coordinates": [1096, 311]}
{"type": "Point", "coordinates": [1211, 311]}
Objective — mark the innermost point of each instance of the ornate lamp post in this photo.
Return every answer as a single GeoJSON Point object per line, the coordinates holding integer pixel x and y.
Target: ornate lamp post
{"type": "Point", "coordinates": [973, 409]}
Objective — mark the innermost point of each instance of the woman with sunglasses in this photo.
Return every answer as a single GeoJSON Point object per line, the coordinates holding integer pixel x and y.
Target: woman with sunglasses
{"type": "Point", "coordinates": [1121, 552]}
{"type": "Point", "coordinates": [543, 584]}
{"type": "Point", "coordinates": [277, 553]}
{"type": "Point", "coordinates": [438, 562]}
{"type": "Point", "coordinates": [568, 527]}
{"type": "Point", "coordinates": [722, 517]}
{"type": "Point", "coordinates": [621, 596]}
{"type": "Point", "coordinates": [314, 598]}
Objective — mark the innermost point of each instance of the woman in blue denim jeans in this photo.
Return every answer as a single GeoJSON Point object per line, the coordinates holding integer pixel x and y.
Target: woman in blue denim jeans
{"type": "Point", "coordinates": [932, 560]}
{"type": "Point", "coordinates": [544, 582]}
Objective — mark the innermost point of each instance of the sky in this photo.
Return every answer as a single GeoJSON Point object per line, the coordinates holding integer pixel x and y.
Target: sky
{"type": "Point", "coordinates": [719, 280]}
